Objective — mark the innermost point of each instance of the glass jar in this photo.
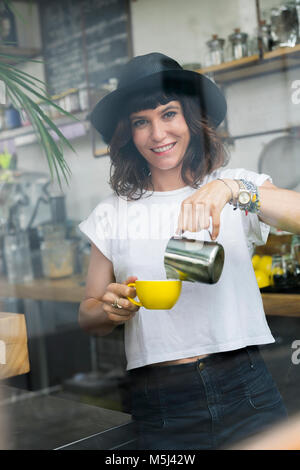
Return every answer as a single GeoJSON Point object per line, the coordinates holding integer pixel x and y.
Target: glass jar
{"type": "Point", "coordinates": [72, 101]}
{"type": "Point", "coordinates": [61, 101]}
{"type": "Point", "coordinates": [50, 231]}
{"type": "Point", "coordinates": [266, 36]}
{"type": "Point", "coordinates": [54, 112]}
{"type": "Point", "coordinates": [85, 259]}
{"type": "Point", "coordinates": [290, 270]}
{"type": "Point", "coordinates": [85, 93]}
{"type": "Point", "coordinates": [18, 257]}
{"type": "Point", "coordinates": [295, 253]}
{"type": "Point", "coordinates": [216, 50]}
{"type": "Point", "coordinates": [283, 271]}
{"type": "Point", "coordinates": [284, 21]}
{"type": "Point", "coordinates": [277, 278]}
{"type": "Point", "coordinates": [239, 44]}
{"type": "Point", "coordinates": [58, 258]}
{"type": "Point", "coordinates": [295, 248]}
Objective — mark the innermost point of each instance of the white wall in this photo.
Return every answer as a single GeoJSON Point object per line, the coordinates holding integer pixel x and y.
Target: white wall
{"type": "Point", "coordinates": [256, 105]}
{"type": "Point", "coordinates": [180, 29]}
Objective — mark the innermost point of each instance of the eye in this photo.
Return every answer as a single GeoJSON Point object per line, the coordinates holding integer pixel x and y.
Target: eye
{"type": "Point", "coordinates": [139, 123]}
{"type": "Point", "coordinates": [169, 114]}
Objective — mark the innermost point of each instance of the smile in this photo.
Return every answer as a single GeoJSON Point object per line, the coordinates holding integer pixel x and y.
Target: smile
{"type": "Point", "coordinates": [164, 149]}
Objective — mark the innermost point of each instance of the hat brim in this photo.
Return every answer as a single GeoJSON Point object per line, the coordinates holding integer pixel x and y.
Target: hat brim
{"type": "Point", "coordinates": [107, 111]}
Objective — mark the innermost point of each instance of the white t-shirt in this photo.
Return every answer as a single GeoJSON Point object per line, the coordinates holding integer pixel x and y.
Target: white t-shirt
{"type": "Point", "coordinates": [207, 318]}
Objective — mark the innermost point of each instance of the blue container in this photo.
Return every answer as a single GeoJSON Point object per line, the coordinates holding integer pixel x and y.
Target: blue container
{"type": "Point", "coordinates": [12, 118]}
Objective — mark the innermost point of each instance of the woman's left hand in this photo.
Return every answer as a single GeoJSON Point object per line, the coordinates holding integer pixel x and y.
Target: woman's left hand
{"type": "Point", "coordinates": [206, 202]}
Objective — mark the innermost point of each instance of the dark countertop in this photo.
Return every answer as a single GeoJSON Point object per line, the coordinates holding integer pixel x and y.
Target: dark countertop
{"type": "Point", "coordinates": [37, 421]}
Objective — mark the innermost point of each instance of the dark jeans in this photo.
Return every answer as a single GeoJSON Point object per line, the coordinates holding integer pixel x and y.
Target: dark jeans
{"type": "Point", "coordinates": [209, 404]}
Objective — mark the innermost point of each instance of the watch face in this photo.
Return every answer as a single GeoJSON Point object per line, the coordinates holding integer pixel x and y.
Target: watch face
{"type": "Point", "coordinates": [244, 197]}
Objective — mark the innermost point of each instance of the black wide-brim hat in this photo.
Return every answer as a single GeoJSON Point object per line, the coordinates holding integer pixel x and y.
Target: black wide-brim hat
{"type": "Point", "coordinates": [156, 71]}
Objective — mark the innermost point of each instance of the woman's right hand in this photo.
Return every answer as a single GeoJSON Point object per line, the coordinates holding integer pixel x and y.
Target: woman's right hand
{"type": "Point", "coordinates": [120, 292]}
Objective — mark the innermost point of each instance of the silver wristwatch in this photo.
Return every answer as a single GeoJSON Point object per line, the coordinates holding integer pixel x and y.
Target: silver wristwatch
{"type": "Point", "coordinates": [244, 195]}
{"type": "Point", "coordinates": [248, 198]}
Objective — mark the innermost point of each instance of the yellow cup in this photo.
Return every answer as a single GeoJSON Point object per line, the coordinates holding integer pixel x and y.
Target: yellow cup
{"type": "Point", "coordinates": [156, 295]}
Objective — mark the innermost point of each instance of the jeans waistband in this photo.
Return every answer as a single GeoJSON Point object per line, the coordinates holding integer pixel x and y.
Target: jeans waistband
{"type": "Point", "coordinates": [223, 359]}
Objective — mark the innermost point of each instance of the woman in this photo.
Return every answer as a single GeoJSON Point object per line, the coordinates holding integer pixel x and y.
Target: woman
{"type": "Point", "coordinates": [198, 381]}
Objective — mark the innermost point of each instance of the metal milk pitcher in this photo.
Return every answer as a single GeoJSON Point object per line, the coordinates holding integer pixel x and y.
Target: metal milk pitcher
{"type": "Point", "coordinates": [194, 260]}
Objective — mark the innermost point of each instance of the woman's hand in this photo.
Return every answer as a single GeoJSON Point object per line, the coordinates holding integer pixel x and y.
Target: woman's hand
{"type": "Point", "coordinates": [119, 292]}
{"type": "Point", "coordinates": [206, 202]}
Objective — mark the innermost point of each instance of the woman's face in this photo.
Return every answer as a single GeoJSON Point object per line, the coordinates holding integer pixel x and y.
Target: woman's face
{"type": "Point", "coordinates": [161, 135]}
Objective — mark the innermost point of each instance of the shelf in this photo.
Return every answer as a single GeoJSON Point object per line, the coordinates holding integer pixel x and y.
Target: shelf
{"type": "Point", "coordinates": [70, 289]}
{"type": "Point", "coordinates": [18, 53]}
{"type": "Point", "coordinates": [279, 60]}
{"type": "Point", "coordinates": [25, 135]}
{"type": "Point", "coordinates": [101, 153]}
{"type": "Point", "coordinates": [285, 305]}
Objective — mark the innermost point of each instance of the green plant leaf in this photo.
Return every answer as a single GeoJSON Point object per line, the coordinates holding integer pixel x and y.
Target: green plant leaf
{"type": "Point", "coordinates": [18, 83]}
{"type": "Point", "coordinates": [17, 80]}
{"type": "Point", "coordinates": [53, 153]}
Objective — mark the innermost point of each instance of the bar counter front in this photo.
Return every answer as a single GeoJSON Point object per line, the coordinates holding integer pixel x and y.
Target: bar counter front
{"type": "Point", "coordinates": [41, 420]}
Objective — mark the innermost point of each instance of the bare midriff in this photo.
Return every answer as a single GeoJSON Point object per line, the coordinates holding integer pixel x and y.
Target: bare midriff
{"type": "Point", "coordinates": [185, 360]}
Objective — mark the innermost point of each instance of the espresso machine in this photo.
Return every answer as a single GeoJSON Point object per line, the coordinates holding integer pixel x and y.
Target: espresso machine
{"type": "Point", "coordinates": [30, 248]}
{"type": "Point", "coordinates": [57, 237]}
{"type": "Point", "coordinates": [15, 187]}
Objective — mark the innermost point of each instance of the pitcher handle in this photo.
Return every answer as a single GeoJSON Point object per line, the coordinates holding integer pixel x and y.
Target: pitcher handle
{"type": "Point", "coordinates": [179, 233]}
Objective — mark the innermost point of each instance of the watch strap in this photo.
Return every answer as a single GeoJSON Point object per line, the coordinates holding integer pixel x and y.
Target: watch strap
{"type": "Point", "coordinates": [253, 205]}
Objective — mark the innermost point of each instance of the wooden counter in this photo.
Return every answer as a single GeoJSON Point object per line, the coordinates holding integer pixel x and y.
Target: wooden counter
{"type": "Point", "coordinates": [287, 305]}
{"type": "Point", "coordinates": [71, 289]}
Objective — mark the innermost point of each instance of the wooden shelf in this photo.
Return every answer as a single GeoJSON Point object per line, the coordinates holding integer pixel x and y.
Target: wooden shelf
{"type": "Point", "coordinates": [69, 289]}
{"type": "Point", "coordinates": [101, 152]}
{"type": "Point", "coordinates": [285, 305]}
{"type": "Point", "coordinates": [72, 289]}
{"type": "Point", "coordinates": [279, 60]}
{"type": "Point", "coordinates": [25, 135]}
{"type": "Point", "coordinates": [18, 54]}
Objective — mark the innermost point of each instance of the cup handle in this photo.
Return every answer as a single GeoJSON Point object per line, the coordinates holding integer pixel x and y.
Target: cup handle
{"type": "Point", "coordinates": [132, 284]}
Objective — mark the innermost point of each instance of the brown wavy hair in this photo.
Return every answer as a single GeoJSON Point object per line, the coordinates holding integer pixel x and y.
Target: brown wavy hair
{"type": "Point", "coordinates": [129, 171]}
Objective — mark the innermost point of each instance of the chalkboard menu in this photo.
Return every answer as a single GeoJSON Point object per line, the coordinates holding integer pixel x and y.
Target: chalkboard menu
{"type": "Point", "coordinates": [84, 38]}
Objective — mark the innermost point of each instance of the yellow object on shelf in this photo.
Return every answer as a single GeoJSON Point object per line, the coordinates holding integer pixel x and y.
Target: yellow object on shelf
{"type": "Point", "coordinates": [262, 278]}
{"type": "Point", "coordinates": [255, 261]}
{"type": "Point", "coordinates": [5, 159]}
{"type": "Point", "coordinates": [265, 264]}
